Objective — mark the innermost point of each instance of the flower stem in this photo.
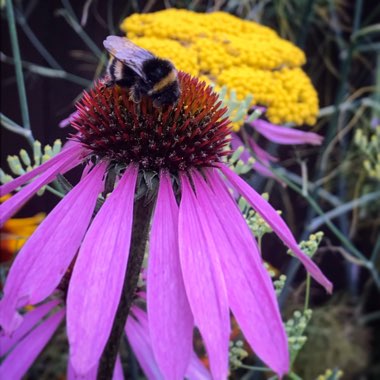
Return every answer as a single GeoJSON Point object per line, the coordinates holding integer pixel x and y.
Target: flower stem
{"type": "Point", "coordinates": [307, 293]}
{"type": "Point", "coordinates": [18, 68]}
{"type": "Point", "coordinates": [142, 213]}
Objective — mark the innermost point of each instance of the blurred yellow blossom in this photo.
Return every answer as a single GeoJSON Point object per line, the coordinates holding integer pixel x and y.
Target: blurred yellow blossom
{"type": "Point", "coordinates": [228, 51]}
{"type": "Point", "coordinates": [15, 232]}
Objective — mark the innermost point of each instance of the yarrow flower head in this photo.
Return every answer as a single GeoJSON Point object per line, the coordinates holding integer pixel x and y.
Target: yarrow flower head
{"type": "Point", "coordinates": [249, 64]}
{"type": "Point", "coordinates": [203, 259]}
{"type": "Point", "coordinates": [243, 55]}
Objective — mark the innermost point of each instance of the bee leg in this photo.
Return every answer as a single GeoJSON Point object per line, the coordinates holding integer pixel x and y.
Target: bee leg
{"type": "Point", "coordinates": [109, 83]}
{"type": "Point", "coordinates": [135, 94]}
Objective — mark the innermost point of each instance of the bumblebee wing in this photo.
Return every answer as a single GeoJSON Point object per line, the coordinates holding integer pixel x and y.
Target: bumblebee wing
{"type": "Point", "coordinates": [127, 52]}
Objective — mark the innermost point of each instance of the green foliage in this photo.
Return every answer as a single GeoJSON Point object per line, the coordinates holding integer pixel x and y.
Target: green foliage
{"type": "Point", "coordinates": [309, 247]}
{"type": "Point", "coordinates": [237, 164]}
{"type": "Point", "coordinates": [22, 163]}
{"type": "Point", "coordinates": [295, 329]}
{"type": "Point", "coordinates": [237, 354]}
{"type": "Point", "coordinates": [237, 109]}
{"type": "Point", "coordinates": [368, 142]}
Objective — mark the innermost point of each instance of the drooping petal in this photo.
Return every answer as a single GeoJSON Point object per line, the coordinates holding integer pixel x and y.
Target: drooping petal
{"type": "Point", "coordinates": [285, 135]}
{"type": "Point", "coordinates": [203, 277]}
{"type": "Point", "coordinates": [17, 363]}
{"type": "Point", "coordinates": [169, 315]}
{"type": "Point", "coordinates": [89, 375]}
{"type": "Point", "coordinates": [66, 122]}
{"type": "Point", "coordinates": [13, 204]}
{"type": "Point", "coordinates": [138, 337]}
{"type": "Point", "coordinates": [237, 143]}
{"type": "Point", "coordinates": [92, 373]}
{"type": "Point", "coordinates": [260, 167]}
{"type": "Point", "coordinates": [196, 370]}
{"type": "Point", "coordinates": [269, 214]}
{"type": "Point", "coordinates": [71, 153]}
{"type": "Point", "coordinates": [44, 259]}
{"type": "Point", "coordinates": [260, 153]}
{"type": "Point", "coordinates": [98, 275]}
{"type": "Point", "coordinates": [250, 291]}
{"type": "Point", "coordinates": [118, 371]}
{"type": "Point", "coordinates": [30, 320]}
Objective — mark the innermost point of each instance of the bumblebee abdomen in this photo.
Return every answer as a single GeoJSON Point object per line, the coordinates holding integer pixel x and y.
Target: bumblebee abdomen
{"type": "Point", "coordinates": [121, 74]}
{"type": "Point", "coordinates": [157, 69]}
{"type": "Point", "coordinates": [167, 95]}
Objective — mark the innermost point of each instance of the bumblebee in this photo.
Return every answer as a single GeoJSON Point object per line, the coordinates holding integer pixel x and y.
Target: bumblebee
{"type": "Point", "coordinates": [141, 72]}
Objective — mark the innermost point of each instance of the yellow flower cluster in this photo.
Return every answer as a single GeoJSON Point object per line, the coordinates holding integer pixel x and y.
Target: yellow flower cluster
{"type": "Point", "coordinates": [15, 233]}
{"type": "Point", "coordinates": [242, 55]}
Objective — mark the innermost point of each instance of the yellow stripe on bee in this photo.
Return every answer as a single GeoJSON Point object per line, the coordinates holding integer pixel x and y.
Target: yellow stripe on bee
{"type": "Point", "coordinates": [171, 77]}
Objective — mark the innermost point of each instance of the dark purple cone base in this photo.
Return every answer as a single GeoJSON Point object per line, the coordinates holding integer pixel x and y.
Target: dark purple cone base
{"type": "Point", "coordinates": [191, 134]}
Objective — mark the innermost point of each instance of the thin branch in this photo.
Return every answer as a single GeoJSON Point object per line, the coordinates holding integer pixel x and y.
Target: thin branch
{"type": "Point", "coordinates": [18, 67]}
{"type": "Point", "coordinates": [22, 21]}
{"type": "Point", "coordinates": [70, 17]}
{"type": "Point", "coordinates": [320, 220]}
{"type": "Point", "coordinates": [47, 71]}
{"type": "Point", "coordinates": [12, 126]}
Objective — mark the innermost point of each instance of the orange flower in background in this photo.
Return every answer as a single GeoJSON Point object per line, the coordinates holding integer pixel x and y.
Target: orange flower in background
{"type": "Point", "coordinates": [15, 232]}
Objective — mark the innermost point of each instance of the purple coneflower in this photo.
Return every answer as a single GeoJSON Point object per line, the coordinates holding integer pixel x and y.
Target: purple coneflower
{"type": "Point", "coordinates": [21, 349]}
{"type": "Point", "coordinates": [203, 261]}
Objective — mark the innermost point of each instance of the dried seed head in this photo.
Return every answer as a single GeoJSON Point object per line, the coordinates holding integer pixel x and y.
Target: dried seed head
{"type": "Point", "coordinates": [190, 134]}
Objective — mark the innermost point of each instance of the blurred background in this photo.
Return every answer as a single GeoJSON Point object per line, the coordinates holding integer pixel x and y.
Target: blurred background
{"type": "Point", "coordinates": [62, 53]}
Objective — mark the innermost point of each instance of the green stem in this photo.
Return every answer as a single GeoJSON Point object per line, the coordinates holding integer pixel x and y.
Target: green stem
{"type": "Point", "coordinates": [307, 293]}
{"type": "Point", "coordinates": [342, 209]}
{"type": "Point", "coordinates": [9, 124]}
{"type": "Point", "coordinates": [319, 211]}
{"type": "Point", "coordinates": [54, 191]}
{"type": "Point", "coordinates": [18, 67]}
{"type": "Point", "coordinates": [21, 19]}
{"type": "Point", "coordinates": [255, 368]}
{"type": "Point", "coordinates": [375, 252]}
{"type": "Point", "coordinates": [48, 72]}
{"type": "Point", "coordinates": [376, 94]}
{"type": "Point", "coordinates": [69, 15]}
{"type": "Point", "coordinates": [306, 20]}
{"type": "Point", "coordinates": [142, 213]}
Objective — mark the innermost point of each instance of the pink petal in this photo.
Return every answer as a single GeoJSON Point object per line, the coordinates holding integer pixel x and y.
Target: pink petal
{"type": "Point", "coordinates": [170, 318]}
{"type": "Point", "coordinates": [71, 153]}
{"type": "Point", "coordinates": [250, 289]}
{"type": "Point", "coordinates": [260, 153]}
{"type": "Point", "coordinates": [138, 337]}
{"type": "Point", "coordinates": [203, 277]}
{"type": "Point", "coordinates": [266, 159]}
{"type": "Point", "coordinates": [237, 143]}
{"type": "Point", "coordinates": [261, 168]}
{"type": "Point", "coordinates": [66, 122]}
{"type": "Point", "coordinates": [89, 375]}
{"type": "Point", "coordinates": [44, 259]}
{"type": "Point", "coordinates": [118, 371]}
{"type": "Point", "coordinates": [92, 373]}
{"type": "Point", "coordinates": [98, 276]}
{"type": "Point", "coordinates": [269, 214]}
{"type": "Point", "coordinates": [11, 206]}
{"type": "Point", "coordinates": [285, 135]}
{"type": "Point", "coordinates": [17, 363]}
{"type": "Point", "coordinates": [30, 320]}
{"type": "Point", "coordinates": [196, 370]}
